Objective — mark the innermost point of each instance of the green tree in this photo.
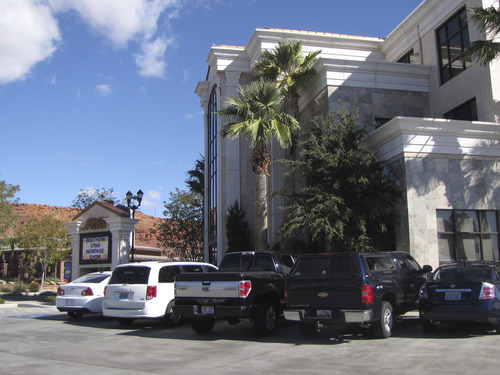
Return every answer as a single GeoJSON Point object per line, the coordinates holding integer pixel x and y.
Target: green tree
{"type": "Point", "coordinates": [90, 195]}
{"type": "Point", "coordinates": [290, 69]}
{"type": "Point", "coordinates": [255, 115]}
{"type": "Point", "coordinates": [237, 231]}
{"type": "Point", "coordinates": [47, 238]}
{"type": "Point", "coordinates": [7, 199]}
{"type": "Point", "coordinates": [196, 177]}
{"type": "Point", "coordinates": [183, 229]}
{"type": "Point", "coordinates": [347, 195]}
{"type": "Point", "coordinates": [488, 20]}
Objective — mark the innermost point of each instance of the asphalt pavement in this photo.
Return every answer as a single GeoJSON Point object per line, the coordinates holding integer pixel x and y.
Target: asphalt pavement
{"type": "Point", "coordinates": [38, 339]}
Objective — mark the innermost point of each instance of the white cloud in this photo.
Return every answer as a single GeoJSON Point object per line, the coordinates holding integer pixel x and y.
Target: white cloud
{"type": "Point", "coordinates": [151, 199]}
{"type": "Point", "coordinates": [125, 21]}
{"type": "Point", "coordinates": [28, 34]}
{"type": "Point", "coordinates": [102, 90]}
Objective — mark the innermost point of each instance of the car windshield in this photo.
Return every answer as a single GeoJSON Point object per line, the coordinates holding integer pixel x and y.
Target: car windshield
{"type": "Point", "coordinates": [130, 275]}
{"type": "Point", "coordinates": [462, 273]}
{"type": "Point", "coordinates": [92, 278]}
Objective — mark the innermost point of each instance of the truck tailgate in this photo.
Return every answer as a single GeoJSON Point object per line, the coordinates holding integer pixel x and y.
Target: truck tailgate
{"type": "Point", "coordinates": [324, 293]}
{"type": "Point", "coordinates": [210, 285]}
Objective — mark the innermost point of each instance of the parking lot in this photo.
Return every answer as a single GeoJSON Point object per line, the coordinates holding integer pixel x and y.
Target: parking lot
{"type": "Point", "coordinates": [41, 340]}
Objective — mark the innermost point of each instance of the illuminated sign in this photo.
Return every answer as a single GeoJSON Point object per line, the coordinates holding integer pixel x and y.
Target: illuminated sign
{"type": "Point", "coordinates": [95, 248]}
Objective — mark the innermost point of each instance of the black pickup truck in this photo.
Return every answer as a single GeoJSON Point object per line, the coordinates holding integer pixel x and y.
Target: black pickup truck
{"type": "Point", "coordinates": [248, 285]}
{"type": "Point", "coordinates": [334, 289]}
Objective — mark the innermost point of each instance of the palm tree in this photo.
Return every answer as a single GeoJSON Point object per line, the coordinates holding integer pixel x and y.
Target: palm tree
{"type": "Point", "coordinates": [488, 21]}
{"type": "Point", "coordinates": [255, 115]}
{"type": "Point", "coordinates": [196, 177]}
{"type": "Point", "coordinates": [290, 68]}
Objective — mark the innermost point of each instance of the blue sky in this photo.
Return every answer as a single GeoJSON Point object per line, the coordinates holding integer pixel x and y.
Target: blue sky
{"type": "Point", "coordinates": [100, 93]}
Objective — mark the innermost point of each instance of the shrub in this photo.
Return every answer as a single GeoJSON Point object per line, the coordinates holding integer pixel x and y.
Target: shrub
{"type": "Point", "coordinates": [19, 287]}
{"type": "Point", "coordinates": [5, 289]}
{"type": "Point", "coordinates": [1, 301]}
{"type": "Point", "coordinates": [51, 299]}
{"type": "Point", "coordinates": [34, 286]}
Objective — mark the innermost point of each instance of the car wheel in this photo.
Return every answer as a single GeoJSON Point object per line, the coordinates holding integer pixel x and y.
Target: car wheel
{"type": "Point", "coordinates": [202, 325]}
{"type": "Point", "coordinates": [308, 329]}
{"type": "Point", "coordinates": [428, 326]}
{"type": "Point", "coordinates": [126, 321]}
{"type": "Point", "coordinates": [266, 318]}
{"type": "Point", "coordinates": [383, 328]}
{"type": "Point", "coordinates": [75, 314]}
{"type": "Point", "coordinates": [171, 319]}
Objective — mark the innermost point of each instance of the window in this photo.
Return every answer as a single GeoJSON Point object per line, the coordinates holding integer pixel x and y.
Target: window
{"type": "Point", "coordinates": [335, 265]}
{"type": "Point", "coordinates": [408, 58]}
{"type": "Point", "coordinates": [212, 165]}
{"type": "Point", "coordinates": [452, 40]}
{"type": "Point", "coordinates": [378, 263]}
{"type": "Point", "coordinates": [467, 235]}
{"type": "Point", "coordinates": [167, 274]}
{"type": "Point", "coordinates": [130, 275]}
{"type": "Point", "coordinates": [466, 111]}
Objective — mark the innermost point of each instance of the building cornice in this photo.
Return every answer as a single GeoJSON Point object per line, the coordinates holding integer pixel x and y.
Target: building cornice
{"type": "Point", "coordinates": [417, 136]}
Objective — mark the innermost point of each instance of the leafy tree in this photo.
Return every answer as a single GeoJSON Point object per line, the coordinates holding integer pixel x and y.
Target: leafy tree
{"type": "Point", "coordinates": [90, 195]}
{"type": "Point", "coordinates": [237, 231]}
{"type": "Point", "coordinates": [488, 20]}
{"type": "Point", "coordinates": [47, 237]}
{"type": "Point", "coordinates": [7, 199]}
{"type": "Point", "coordinates": [347, 195]}
{"type": "Point", "coordinates": [183, 229]}
{"type": "Point", "coordinates": [196, 179]}
{"type": "Point", "coordinates": [255, 115]}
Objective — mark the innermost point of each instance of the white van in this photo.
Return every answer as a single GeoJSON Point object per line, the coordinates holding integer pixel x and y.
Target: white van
{"type": "Point", "coordinates": [146, 290]}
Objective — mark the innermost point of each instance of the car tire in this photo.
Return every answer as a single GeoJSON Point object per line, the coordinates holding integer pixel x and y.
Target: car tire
{"type": "Point", "coordinates": [170, 319]}
{"type": "Point", "coordinates": [126, 321]}
{"type": "Point", "coordinates": [75, 314]}
{"type": "Point", "coordinates": [383, 327]}
{"type": "Point", "coordinates": [202, 325]}
{"type": "Point", "coordinates": [308, 329]}
{"type": "Point", "coordinates": [428, 326]}
{"type": "Point", "coordinates": [266, 319]}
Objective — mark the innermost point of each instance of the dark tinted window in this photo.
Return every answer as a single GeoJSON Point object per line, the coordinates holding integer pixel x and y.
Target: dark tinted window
{"type": "Point", "coordinates": [231, 262]}
{"type": "Point", "coordinates": [341, 265]}
{"type": "Point", "coordinates": [130, 275]}
{"type": "Point", "coordinates": [461, 273]}
{"type": "Point", "coordinates": [264, 262]}
{"type": "Point", "coordinates": [167, 274]}
{"type": "Point", "coordinates": [192, 268]}
{"type": "Point", "coordinates": [378, 263]}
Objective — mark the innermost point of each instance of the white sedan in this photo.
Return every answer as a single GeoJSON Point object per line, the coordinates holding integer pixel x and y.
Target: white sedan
{"type": "Point", "coordinates": [83, 295]}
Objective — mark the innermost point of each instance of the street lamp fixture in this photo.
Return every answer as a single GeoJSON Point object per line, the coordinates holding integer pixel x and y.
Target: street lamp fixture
{"type": "Point", "coordinates": [136, 199]}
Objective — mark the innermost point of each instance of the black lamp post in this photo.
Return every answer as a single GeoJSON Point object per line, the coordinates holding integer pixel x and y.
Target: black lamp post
{"type": "Point", "coordinates": [136, 198]}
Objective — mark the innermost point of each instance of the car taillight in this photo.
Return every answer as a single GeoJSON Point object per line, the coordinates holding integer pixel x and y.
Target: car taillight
{"type": "Point", "coordinates": [286, 295]}
{"type": "Point", "coordinates": [150, 292]}
{"type": "Point", "coordinates": [423, 292]}
{"type": "Point", "coordinates": [87, 292]}
{"type": "Point", "coordinates": [487, 291]}
{"type": "Point", "coordinates": [366, 294]}
{"type": "Point", "coordinates": [245, 288]}
{"type": "Point", "coordinates": [60, 291]}
{"type": "Point", "coordinates": [105, 291]}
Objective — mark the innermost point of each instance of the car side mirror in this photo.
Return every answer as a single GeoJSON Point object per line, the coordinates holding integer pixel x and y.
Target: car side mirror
{"type": "Point", "coordinates": [427, 268]}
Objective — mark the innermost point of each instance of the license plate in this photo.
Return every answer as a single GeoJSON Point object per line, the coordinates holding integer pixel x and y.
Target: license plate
{"type": "Point", "coordinates": [70, 302]}
{"type": "Point", "coordinates": [324, 313]}
{"type": "Point", "coordinates": [123, 296]}
{"type": "Point", "coordinates": [207, 310]}
{"type": "Point", "coordinates": [452, 296]}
